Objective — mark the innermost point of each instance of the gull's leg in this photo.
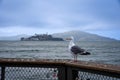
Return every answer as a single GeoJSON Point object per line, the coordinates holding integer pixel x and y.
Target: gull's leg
{"type": "Point", "coordinates": [75, 58]}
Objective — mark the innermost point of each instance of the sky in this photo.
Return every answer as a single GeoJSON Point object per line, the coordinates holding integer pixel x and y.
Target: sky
{"type": "Point", "coordinates": [100, 17]}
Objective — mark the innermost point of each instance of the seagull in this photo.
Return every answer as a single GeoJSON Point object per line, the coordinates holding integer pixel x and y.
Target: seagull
{"type": "Point", "coordinates": [76, 50]}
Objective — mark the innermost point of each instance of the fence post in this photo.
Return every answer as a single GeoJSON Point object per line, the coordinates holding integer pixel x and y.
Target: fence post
{"type": "Point", "coordinates": [2, 73]}
{"type": "Point", "coordinates": [72, 74]}
{"type": "Point", "coordinates": [62, 73]}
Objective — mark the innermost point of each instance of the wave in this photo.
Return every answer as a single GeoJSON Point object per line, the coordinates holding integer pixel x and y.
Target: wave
{"type": "Point", "coordinates": [9, 51]}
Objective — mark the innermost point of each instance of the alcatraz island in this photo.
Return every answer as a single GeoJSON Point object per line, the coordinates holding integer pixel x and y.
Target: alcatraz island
{"type": "Point", "coordinates": [41, 37]}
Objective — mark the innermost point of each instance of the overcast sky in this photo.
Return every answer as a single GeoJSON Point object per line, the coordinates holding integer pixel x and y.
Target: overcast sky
{"type": "Point", "coordinates": [53, 16]}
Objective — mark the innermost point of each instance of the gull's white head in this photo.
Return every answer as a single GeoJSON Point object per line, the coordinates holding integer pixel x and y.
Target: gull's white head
{"type": "Point", "coordinates": [72, 38]}
{"type": "Point", "coordinates": [71, 42]}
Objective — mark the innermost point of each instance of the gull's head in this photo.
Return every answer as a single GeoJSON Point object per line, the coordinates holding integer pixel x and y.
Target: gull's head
{"type": "Point", "coordinates": [71, 42]}
{"type": "Point", "coordinates": [72, 38]}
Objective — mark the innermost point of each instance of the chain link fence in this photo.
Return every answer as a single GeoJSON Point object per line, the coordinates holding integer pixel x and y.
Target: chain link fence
{"type": "Point", "coordinates": [55, 70]}
{"type": "Point", "coordinates": [30, 73]}
{"type": "Point", "coordinates": [93, 76]}
{"type": "Point", "coordinates": [0, 73]}
{"type": "Point", "coordinates": [36, 73]}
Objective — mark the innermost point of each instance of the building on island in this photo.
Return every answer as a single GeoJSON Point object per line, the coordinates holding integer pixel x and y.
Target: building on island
{"type": "Point", "coordinates": [41, 37]}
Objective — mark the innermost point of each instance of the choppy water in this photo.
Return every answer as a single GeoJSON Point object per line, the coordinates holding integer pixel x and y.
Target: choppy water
{"type": "Point", "coordinates": [104, 52]}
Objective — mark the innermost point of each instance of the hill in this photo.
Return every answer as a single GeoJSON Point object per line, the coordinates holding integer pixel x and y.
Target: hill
{"type": "Point", "coordinates": [78, 35]}
{"type": "Point", "coordinates": [82, 36]}
{"type": "Point", "coordinates": [17, 37]}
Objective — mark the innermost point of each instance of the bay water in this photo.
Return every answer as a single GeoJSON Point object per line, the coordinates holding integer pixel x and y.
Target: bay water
{"type": "Point", "coordinates": [107, 52]}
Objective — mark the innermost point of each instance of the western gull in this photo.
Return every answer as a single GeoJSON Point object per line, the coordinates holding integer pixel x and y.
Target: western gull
{"type": "Point", "coordinates": [76, 50]}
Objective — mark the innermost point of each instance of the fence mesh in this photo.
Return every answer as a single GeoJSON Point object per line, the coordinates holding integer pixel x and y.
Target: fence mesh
{"type": "Point", "coordinates": [91, 76]}
{"type": "Point", "coordinates": [30, 73]}
{"type": "Point", "coordinates": [0, 73]}
{"type": "Point", "coordinates": [38, 73]}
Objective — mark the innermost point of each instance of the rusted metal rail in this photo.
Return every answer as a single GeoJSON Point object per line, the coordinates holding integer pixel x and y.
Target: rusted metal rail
{"type": "Point", "coordinates": [48, 69]}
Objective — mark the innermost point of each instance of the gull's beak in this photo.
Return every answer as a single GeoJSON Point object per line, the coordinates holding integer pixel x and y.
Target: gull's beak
{"type": "Point", "coordinates": [68, 38]}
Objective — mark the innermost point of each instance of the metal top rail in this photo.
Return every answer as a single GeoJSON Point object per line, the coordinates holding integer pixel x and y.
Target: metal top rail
{"type": "Point", "coordinates": [60, 62]}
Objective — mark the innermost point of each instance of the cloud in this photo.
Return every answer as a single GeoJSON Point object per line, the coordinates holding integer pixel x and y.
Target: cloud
{"type": "Point", "coordinates": [58, 15]}
{"type": "Point", "coordinates": [16, 30]}
{"type": "Point", "coordinates": [30, 12]}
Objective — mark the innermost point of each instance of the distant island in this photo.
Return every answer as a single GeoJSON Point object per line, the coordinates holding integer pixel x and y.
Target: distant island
{"type": "Point", "coordinates": [78, 36]}
{"type": "Point", "coordinates": [41, 37]}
